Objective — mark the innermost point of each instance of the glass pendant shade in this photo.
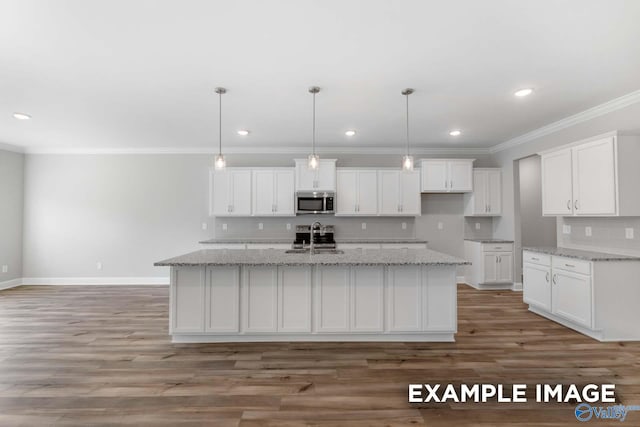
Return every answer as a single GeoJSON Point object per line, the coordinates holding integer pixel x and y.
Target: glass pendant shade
{"type": "Point", "coordinates": [220, 162]}
{"type": "Point", "coordinates": [407, 163]}
{"type": "Point", "coordinates": [314, 161]}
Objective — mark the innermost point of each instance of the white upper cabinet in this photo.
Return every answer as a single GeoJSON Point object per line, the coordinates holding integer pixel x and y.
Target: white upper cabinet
{"type": "Point", "coordinates": [357, 192]}
{"type": "Point", "coordinates": [446, 175]}
{"type": "Point", "coordinates": [230, 192]}
{"type": "Point", "coordinates": [321, 179]}
{"type": "Point", "coordinates": [273, 192]}
{"type": "Point", "coordinates": [486, 198]}
{"type": "Point", "coordinates": [594, 178]}
{"type": "Point", "coordinates": [399, 193]}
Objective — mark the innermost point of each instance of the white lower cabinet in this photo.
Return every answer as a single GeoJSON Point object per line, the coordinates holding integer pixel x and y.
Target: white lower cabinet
{"type": "Point", "coordinates": [571, 296]}
{"type": "Point", "coordinates": [259, 299]}
{"type": "Point", "coordinates": [332, 299]}
{"type": "Point", "coordinates": [222, 302]}
{"type": "Point", "coordinates": [491, 264]}
{"type": "Point", "coordinates": [536, 289]}
{"type": "Point", "coordinates": [404, 299]}
{"type": "Point", "coordinates": [187, 299]}
{"type": "Point", "coordinates": [367, 296]}
{"type": "Point", "coordinates": [294, 299]}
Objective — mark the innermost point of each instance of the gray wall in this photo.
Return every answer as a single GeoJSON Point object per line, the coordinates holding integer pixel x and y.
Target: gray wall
{"type": "Point", "coordinates": [127, 211]}
{"type": "Point", "coordinates": [11, 213]}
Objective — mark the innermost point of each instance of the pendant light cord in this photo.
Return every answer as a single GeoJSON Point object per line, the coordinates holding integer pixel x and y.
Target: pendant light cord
{"type": "Point", "coordinates": [220, 123]}
{"type": "Point", "coordinates": [407, 97]}
{"type": "Point", "coordinates": [313, 137]}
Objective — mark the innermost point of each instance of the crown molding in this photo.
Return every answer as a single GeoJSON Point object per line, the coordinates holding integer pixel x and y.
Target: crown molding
{"type": "Point", "coordinates": [259, 150]}
{"type": "Point", "coordinates": [12, 148]}
{"type": "Point", "coordinates": [588, 114]}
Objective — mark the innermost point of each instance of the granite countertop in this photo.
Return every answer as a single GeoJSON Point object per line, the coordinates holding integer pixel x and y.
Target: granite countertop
{"type": "Point", "coordinates": [290, 240]}
{"type": "Point", "coordinates": [279, 257]}
{"type": "Point", "coordinates": [489, 240]}
{"type": "Point", "coordinates": [580, 254]}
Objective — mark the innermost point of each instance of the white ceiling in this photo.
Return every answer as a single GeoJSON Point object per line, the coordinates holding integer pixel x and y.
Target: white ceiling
{"type": "Point", "coordinates": [124, 74]}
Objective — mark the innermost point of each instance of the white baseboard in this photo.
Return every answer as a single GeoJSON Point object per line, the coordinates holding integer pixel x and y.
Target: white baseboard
{"type": "Point", "coordinates": [10, 283]}
{"type": "Point", "coordinates": [95, 281]}
{"type": "Point", "coordinates": [460, 279]}
{"type": "Point", "coordinates": [517, 286]}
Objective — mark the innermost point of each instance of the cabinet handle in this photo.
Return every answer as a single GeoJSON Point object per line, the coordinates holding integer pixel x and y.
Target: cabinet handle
{"type": "Point", "coordinates": [575, 205]}
{"type": "Point", "coordinates": [228, 208]}
{"type": "Point", "coordinates": [536, 259]}
{"type": "Point", "coordinates": [451, 184]}
{"type": "Point", "coordinates": [546, 277]}
{"type": "Point", "coordinates": [568, 205]}
{"type": "Point", "coordinates": [570, 265]}
{"type": "Point", "coordinates": [446, 184]}
{"type": "Point", "coordinates": [554, 279]}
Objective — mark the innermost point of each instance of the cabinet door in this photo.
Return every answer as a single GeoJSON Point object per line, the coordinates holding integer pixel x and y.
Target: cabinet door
{"type": "Point", "coordinates": [460, 175]}
{"type": "Point", "coordinates": [490, 264]}
{"type": "Point", "coordinates": [220, 192]}
{"type": "Point", "coordinates": [505, 268]}
{"type": "Point", "coordinates": [294, 299]}
{"type": "Point", "coordinates": [241, 193]}
{"type": "Point", "coordinates": [326, 176]}
{"type": "Point", "coordinates": [367, 296]}
{"type": "Point", "coordinates": [263, 193]}
{"type": "Point", "coordinates": [404, 299]}
{"type": "Point", "coordinates": [223, 299]}
{"type": "Point", "coordinates": [187, 299]}
{"type": "Point", "coordinates": [494, 192]}
{"type": "Point", "coordinates": [435, 176]}
{"type": "Point", "coordinates": [332, 299]}
{"type": "Point", "coordinates": [305, 178]}
{"type": "Point", "coordinates": [347, 192]}
{"type": "Point", "coordinates": [284, 193]}
{"type": "Point", "coordinates": [557, 183]}
{"type": "Point", "coordinates": [259, 299]}
{"type": "Point", "coordinates": [571, 296]}
{"type": "Point", "coordinates": [594, 178]}
{"type": "Point", "coordinates": [439, 296]}
{"type": "Point", "coordinates": [480, 192]}
{"type": "Point", "coordinates": [388, 192]}
{"type": "Point", "coordinates": [410, 193]}
{"type": "Point", "coordinates": [536, 285]}
{"type": "Point", "coordinates": [367, 203]}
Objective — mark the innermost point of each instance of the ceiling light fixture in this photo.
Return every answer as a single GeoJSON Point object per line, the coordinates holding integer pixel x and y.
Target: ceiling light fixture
{"type": "Point", "coordinates": [314, 159]}
{"type": "Point", "coordinates": [523, 92]}
{"type": "Point", "coordinates": [350, 132]}
{"type": "Point", "coordinates": [21, 116]}
{"type": "Point", "coordinates": [407, 160]}
{"type": "Point", "coordinates": [220, 162]}
{"type": "Point", "coordinates": [456, 132]}
{"type": "Point", "coordinates": [243, 132]}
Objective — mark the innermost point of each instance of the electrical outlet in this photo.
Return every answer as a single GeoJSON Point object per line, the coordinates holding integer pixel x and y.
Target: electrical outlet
{"type": "Point", "coordinates": [587, 231]}
{"type": "Point", "coordinates": [364, 225]}
{"type": "Point", "coordinates": [5, 268]}
{"type": "Point", "coordinates": [404, 225]}
{"type": "Point", "coordinates": [477, 226]}
{"type": "Point", "coordinates": [99, 265]}
{"type": "Point", "coordinates": [566, 229]}
{"type": "Point", "coordinates": [288, 226]}
{"type": "Point", "coordinates": [204, 225]}
{"type": "Point", "coordinates": [224, 227]}
{"type": "Point", "coordinates": [628, 233]}
{"type": "Point", "coordinates": [260, 226]}
{"type": "Point", "coordinates": [440, 226]}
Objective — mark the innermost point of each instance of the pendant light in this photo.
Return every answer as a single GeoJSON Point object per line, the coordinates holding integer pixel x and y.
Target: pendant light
{"type": "Point", "coordinates": [314, 159]}
{"type": "Point", "coordinates": [407, 159]}
{"type": "Point", "coordinates": [220, 162]}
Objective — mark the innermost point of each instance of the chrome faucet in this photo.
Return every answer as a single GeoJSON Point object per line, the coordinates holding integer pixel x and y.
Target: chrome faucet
{"type": "Point", "coordinates": [312, 238]}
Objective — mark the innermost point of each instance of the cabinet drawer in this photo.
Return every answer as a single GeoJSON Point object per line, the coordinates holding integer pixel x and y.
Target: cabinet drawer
{"type": "Point", "coordinates": [572, 264]}
{"type": "Point", "coordinates": [536, 258]}
{"type": "Point", "coordinates": [497, 247]}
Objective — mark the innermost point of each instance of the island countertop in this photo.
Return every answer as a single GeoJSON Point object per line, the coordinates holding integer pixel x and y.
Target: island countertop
{"type": "Point", "coordinates": [209, 257]}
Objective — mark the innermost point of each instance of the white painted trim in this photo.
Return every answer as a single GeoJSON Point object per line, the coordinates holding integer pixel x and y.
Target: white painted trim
{"type": "Point", "coordinates": [260, 150]}
{"type": "Point", "coordinates": [10, 283]}
{"type": "Point", "coordinates": [516, 287]}
{"type": "Point", "coordinates": [95, 281]}
{"type": "Point", "coordinates": [275, 337]}
{"type": "Point", "coordinates": [9, 147]}
{"type": "Point", "coordinates": [583, 116]}
{"type": "Point", "coordinates": [461, 279]}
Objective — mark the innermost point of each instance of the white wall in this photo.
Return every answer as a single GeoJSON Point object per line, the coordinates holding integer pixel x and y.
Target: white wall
{"type": "Point", "coordinates": [11, 204]}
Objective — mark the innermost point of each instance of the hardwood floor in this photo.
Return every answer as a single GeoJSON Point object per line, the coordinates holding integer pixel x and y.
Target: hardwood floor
{"type": "Point", "coordinates": [86, 355]}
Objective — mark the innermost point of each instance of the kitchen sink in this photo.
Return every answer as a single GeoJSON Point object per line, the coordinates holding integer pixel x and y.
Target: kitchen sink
{"type": "Point", "coordinates": [319, 251]}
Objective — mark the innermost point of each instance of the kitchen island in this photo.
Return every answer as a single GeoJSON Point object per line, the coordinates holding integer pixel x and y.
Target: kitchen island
{"type": "Point", "coordinates": [220, 295]}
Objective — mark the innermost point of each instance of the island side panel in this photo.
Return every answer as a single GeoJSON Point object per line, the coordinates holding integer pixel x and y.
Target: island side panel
{"type": "Point", "coordinates": [187, 300]}
{"type": "Point", "coordinates": [440, 299]}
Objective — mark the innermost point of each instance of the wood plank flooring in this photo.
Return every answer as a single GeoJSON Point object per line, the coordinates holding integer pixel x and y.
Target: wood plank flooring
{"type": "Point", "coordinates": [100, 355]}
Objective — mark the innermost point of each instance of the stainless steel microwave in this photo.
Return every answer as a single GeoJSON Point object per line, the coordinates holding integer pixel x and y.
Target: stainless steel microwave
{"type": "Point", "coordinates": [315, 202]}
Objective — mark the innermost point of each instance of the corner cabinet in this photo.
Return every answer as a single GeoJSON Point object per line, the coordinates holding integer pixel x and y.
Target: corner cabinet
{"type": "Point", "coordinates": [273, 192]}
{"type": "Point", "coordinates": [399, 193]}
{"type": "Point", "coordinates": [321, 179]}
{"type": "Point", "coordinates": [491, 264]}
{"type": "Point", "coordinates": [357, 192]}
{"type": "Point", "coordinates": [595, 177]}
{"type": "Point", "coordinates": [486, 198]}
{"type": "Point", "coordinates": [446, 175]}
{"type": "Point", "coordinates": [230, 192]}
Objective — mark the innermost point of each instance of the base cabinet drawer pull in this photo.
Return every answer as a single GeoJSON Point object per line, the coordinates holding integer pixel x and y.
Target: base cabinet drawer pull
{"type": "Point", "coordinates": [546, 277]}
{"type": "Point", "coordinates": [570, 265]}
{"type": "Point", "coordinates": [575, 205]}
{"type": "Point", "coordinates": [555, 279]}
{"type": "Point", "coordinates": [535, 259]}
{"type": "Point", "coordinates": [568, 205]}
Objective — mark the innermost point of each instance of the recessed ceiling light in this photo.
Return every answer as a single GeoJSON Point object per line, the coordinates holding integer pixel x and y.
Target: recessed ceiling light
{"type": "Point", "coordinates": [350, 132]}
{"type": "Point", "coordinates": [523, 92]}
{"type": "Point", "coordinates": [456, 132]}
{"type": "Point", "coordinates": [21, 116]}
{"type": "Point", "coordinates": [243, 132]}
